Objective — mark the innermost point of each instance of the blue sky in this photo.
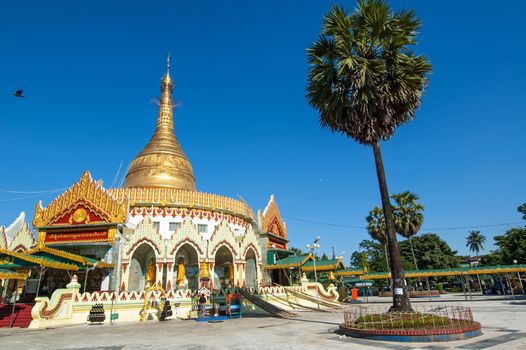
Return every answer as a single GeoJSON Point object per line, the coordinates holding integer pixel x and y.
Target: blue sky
{"type": "Point", "coordinates": [90, 68]}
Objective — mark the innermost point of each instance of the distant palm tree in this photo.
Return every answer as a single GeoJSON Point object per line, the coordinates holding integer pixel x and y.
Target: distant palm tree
{"type": "Point", "coordinates": [365, 80]}
{"type": "Point", "coordinates": [475, 241]}
{"type": "Point", "coordinates": [408, 217]}
{"type": "Point", "coordinates": [376, 228]}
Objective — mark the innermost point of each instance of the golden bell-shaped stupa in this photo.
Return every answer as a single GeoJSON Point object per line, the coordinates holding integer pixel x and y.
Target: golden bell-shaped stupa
{"type": "Point", "coordinates": [162, 163]}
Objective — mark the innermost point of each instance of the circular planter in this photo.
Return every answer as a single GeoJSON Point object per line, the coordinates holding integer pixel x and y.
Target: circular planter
{"type": "Point", "coordinates": [414, 335]}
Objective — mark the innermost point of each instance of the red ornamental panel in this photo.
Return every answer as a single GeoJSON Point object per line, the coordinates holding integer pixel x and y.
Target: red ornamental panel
{"type": "Point", "coordinates": [78, 216]}
{"type": "Point", "coordinates": [65, 237]}
{"type": "Point", "coordinates": [276, 244]}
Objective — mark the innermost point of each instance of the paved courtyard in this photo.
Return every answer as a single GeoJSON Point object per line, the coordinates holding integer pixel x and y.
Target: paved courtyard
{"type": "Point", "coordinates": [503, 322]}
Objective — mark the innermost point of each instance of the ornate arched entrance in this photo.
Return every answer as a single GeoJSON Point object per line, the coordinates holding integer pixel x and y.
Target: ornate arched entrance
{"type": "Point", "coordinates": [223, 268]}
{"type": "Point", "coordinates": [250, 269]}
{"type": "Point", "coordinates": [142, 267]}
{"type": "Point", "coordinates": [186, 267]}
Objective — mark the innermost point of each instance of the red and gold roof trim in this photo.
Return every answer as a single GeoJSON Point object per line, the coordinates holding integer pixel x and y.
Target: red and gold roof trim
{"type": "Point", "coordinates": [85, 202]}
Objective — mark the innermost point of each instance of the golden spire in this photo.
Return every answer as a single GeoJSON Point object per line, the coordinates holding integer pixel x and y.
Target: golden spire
{"type": "Point", "coordinates": [162, 163]}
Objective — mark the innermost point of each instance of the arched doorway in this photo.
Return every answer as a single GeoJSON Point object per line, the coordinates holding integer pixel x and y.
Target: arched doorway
{"type": "Point", "coordinates": [187, 256]}
{"type": "Point", "coordinates": [250, 269]}
{"type": "Point", "coordinates": [223, 268]}
{"type": "Point", "coordinates": [142, 266]}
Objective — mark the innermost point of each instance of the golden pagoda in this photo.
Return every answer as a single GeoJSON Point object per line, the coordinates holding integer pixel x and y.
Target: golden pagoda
{"type": "Point", "coordinates": [162, 163]}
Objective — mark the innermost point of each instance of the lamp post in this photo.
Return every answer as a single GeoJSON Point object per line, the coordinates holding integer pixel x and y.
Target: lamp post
{"type": "Point", "coordinates": [519, 277]}
{"type": "Point", "coordinates": [312, 247]}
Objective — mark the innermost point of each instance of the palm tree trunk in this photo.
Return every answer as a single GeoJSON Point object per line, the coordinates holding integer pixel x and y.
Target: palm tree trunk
{"type": "Point", "coordinates": [401, 300]}
{"type": "Point", "coordinates": [386, 257]}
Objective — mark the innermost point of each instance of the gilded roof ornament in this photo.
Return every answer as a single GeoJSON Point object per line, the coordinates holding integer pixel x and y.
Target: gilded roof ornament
{"type": "Point", "coordinates": [90, 193]}
{"type": "Point", "coordinates": [162, 163]}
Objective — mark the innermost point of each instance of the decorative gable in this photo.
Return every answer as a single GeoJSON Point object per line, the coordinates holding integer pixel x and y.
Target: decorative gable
{"type": "Point", "coordinates": [84, 203]}
{"type": "Point", "coordinates": [3, 240]}
{"type": "Point", "coordinates": [145, 232]}
{"type": "Point", "coordinates": [271, 219]}
{"type": "Point", "coordinates": [23, 239]}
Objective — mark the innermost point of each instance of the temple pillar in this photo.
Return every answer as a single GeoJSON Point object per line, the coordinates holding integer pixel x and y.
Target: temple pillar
{"type": "Point", "coordinates": [239, 273]}
{"type": "Point", "coordinates": [125, 275]}
{"type": "Point", "coordinates": [114, 275]}
{"type": "Point", "coordinates": [211, 269]}
{"type": "Point", "coordinates": [159, 273]}
{"type": "Point", "coordinates": [259, 274]}
{"type": "Point", "coordinates": [170, 276]}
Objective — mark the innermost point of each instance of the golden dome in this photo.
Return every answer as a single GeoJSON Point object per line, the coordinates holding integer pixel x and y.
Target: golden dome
{"type": "Point", "coordinates": [162, 163]}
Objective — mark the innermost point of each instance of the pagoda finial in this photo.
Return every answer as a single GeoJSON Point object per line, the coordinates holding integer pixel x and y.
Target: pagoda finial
{"type": "Point", "coordinates": [162, 163]}
{"type": "Point", "coordinates": [166, 79]}
{"type": "Point", "coordinates": [168, 63]}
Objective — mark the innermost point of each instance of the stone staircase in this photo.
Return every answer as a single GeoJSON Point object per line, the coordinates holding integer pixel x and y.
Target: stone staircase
{"type": "Point", "coordinates": [21, 317]}
{"type": "Point", "coordinates": [264, 305]}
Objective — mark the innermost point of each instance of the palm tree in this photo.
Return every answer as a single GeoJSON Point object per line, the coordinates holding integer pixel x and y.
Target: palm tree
{"type": "Point", "coordinates": [376, 228]}
{"type": "Point", "coordinates": [408, 217]}
{"type": "Point", "coordinates": [475, 242]}
{"type": "Point", "coordinates": [365, 81]}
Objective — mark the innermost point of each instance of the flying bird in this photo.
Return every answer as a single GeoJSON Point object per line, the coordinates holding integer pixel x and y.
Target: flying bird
{"type": "Point", "coordinates": [19, 93]}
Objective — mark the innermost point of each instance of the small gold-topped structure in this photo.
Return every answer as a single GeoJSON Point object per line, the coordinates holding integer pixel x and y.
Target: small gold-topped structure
{"type": "Point", "coordinates": [162, 163]}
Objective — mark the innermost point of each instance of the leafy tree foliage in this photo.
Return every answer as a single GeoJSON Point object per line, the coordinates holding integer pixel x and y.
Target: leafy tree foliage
{"type": "Point", "coordinates": [297, 251]}
{"type": "Point", "coordinates": [493, 258]}
{"type": "Point", "coordinates": [512, 246]}
{"type": "Point", "coordinates": [324, 257]}
{"type": "Point", "coordinates": [431, 252]}
{"type": "Point", "coordinates": [522, 209]}
{"type": "Point", "coordinates": [373, 253]}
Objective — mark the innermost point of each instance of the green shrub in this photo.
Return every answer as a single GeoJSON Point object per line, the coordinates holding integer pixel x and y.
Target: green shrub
{"type": "Point", "coordinates": [410, 320]}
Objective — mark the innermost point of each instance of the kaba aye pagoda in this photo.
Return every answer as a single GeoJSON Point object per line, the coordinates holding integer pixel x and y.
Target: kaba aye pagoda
{"type": "Point", "coordinates": [157, 230]}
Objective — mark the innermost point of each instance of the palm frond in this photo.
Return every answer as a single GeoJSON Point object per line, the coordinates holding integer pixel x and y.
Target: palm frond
{"type": "Point", "coordinates": [364, 79]}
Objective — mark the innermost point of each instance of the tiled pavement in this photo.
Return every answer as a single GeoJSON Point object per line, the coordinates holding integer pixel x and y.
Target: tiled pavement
{"type": "Point", "coordinates": [503, 323]}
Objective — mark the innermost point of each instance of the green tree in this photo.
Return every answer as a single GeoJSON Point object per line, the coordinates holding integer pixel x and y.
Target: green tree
{"type": "Point", "coordinates": [297, 251]}
{"type": "Point", "coordinates": [475, 241]}
{"type": "Point", "coordinates": [431, 252]}
{"type": "Point", "coordinates": [522, 209]}
{"type": "Point", "coordinates": [493, 258]}
{"type": "Point", "coordinates": [362, 261]}
{"type": "Point", "coordinates": [373, 253]}
{"type": "Point", "coordinates": [512, 246]}
{"type": "Point", "coordinates": [365, 81]}
{"type": "Point", "coordinates": [324, 257]}
{"type": "Point", "coordinates": [408, 216]}
{"type": "Point", "coordinates": [376, 228]}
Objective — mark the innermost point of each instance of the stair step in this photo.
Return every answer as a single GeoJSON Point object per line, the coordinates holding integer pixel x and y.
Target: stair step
{"type": "Point", "coordinates": [21, 317]}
